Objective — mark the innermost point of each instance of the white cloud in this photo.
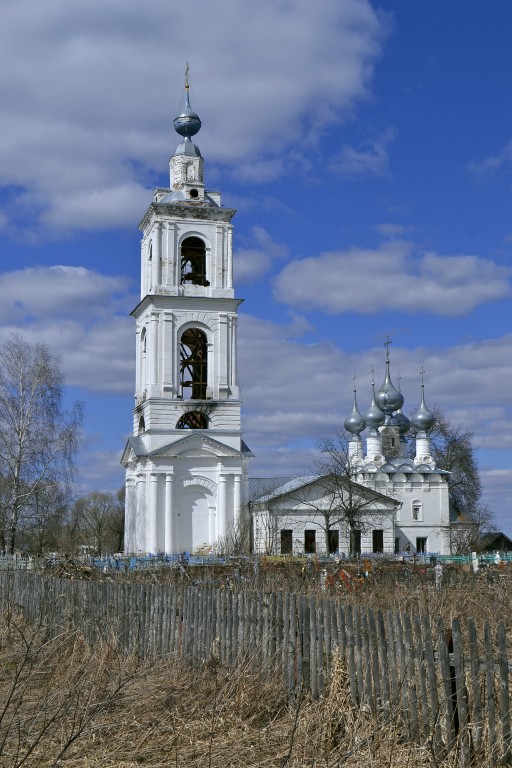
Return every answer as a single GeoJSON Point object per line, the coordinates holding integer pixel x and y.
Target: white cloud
{"type": "Point", "coordinates": [81, 315]}
{"type": "Point", "coordinates": [391, 277]}
{"type": "Point", "coordinates": [391, 230]}
{"type": "Point", "coordinates": [61, 291]}
{"type": "Point", "coordinates": [252, 263]}
{"type": "Point", "coordinates": [370, 158]}
{"type": "Point", "coordinates": [101, 470]}
{"type": "Point", "coordinates": [86, 113]}
{"type": "Point", "coordinates": [492, 164]}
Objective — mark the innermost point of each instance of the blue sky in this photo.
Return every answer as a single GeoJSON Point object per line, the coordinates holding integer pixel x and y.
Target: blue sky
{"type": "Point", "coordinates": [368, 149]}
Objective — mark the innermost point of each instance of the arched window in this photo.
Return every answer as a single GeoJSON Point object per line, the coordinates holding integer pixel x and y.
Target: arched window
{"type": "Point", "coordinates": [193, 364]}
{"type": "Point", "coordinates": [193, 420]}
{"type": "Point", "coordinates": [417, 510]}
{"type": "Point", "coordinates": [193, 261]}
{"type": "Point", "coordinates": [142, 425]}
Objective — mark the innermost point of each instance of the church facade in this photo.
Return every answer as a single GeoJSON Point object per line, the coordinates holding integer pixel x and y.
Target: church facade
{"type": "Point", "coordinates": [186, 462]}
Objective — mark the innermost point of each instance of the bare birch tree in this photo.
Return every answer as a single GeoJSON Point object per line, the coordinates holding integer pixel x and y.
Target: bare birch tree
{"type": "Point", "coordinates": [38, 437]}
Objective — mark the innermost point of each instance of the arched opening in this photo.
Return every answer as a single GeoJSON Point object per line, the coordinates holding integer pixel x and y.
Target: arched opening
{"type": "Point", "coordinates": [417, 510]}
{"type": "Point", "coordinates": [142, 425]}
{"type": "Point", "coordinates": [193, 261]}
{"type": "Point", "coordinates": [193, 420]}
{"type": "Point", "coordinates": [193, 364]}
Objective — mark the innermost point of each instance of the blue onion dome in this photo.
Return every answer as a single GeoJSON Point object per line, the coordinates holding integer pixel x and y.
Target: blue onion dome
{"type": "Point", "coordinates": [423, 420]}
{"type": "Point", "coordinates": [374, 417]}
{"type": "Point", "coordinates": [389, 398]}
{"type": "Point", "coordinates": [355, 422]}
{"type": "Point", "coordinates": [187, 124]}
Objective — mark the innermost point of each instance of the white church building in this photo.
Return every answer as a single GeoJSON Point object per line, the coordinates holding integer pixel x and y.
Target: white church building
{"type": "Point", "coordinates": [379, 499]}
{"type": "Point", "coordinates": [186, 463]}
{"type": "Point", "coordinates": [187, 466]}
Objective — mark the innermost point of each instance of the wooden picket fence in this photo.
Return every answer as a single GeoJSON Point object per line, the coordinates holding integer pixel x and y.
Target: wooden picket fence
{"type": "Point", "coordinates": [449, 685]}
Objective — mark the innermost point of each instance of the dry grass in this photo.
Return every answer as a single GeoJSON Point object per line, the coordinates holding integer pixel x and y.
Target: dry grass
{"type": "Point", "coordinates": [63, 703]}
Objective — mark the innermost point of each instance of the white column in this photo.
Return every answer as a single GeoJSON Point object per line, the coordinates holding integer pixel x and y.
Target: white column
{"type": "Point", "coordinates": [167, 350]}
{"type": "Point", "coordinates": [212, 526]}
{"type": "Point", "coordinates": [138, 362]}
{"type": "Point", "coordinates": [423, 455]}
{"type": "Point", "coordinates": [130, 513]}
{"type": "Point", "coordinates": [237, 504]}
{"type": "Point", "coordinates": [373, 445]}
{"type": "Point", "coordinates": [143, 268]}
{"type": "Point", "coordinates": [140, 524]}
{"type": "Point", "coordinates": [355, 447]}
{"type": "Point", "coordinates": [223, 355]}
{"type": "Point", "coordinates": [232, 350]}
{"type": "Point", "coordinates": [170, 536]}
{"type": "Point", "coordinates": [221, 505]}
{"type": "Point", "coordinates": [153, 349]}
{"type": "Point", "coordinates": [229, 257]}
{"type": "Point", "coordinates": [157, 254]}
{"type": "Point", "coordinates": [152, 542]}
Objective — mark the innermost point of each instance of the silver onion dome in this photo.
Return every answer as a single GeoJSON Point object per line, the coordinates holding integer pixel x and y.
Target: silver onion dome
{"type": "Point", "coordinates": [355, 422]}
{"type": "Point", "coordinates": [389, 398]}
{"type": "Point", "coordinates": [423, 420]}
{"type": "Point", "coordinates": [402, 422]}
{"type": "Point", "coordinates": [187, 123]}
{"type": "Point", "coordinates": [374, 417]}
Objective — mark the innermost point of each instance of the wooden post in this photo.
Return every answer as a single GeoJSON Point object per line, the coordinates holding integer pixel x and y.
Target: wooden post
{"type": "Point", "coordinates": [447, 680]}
{"type": "Point", "coordinates": [410, 678]}
{"type": "Point", "coordinates": [351, 659]}
{"type": "Point", "coordinates": [489, 689]}
{"type": "Point", "coordinates": [383, 661]}
{"type": "Point", "coordinates": [306, 643]}
{"type": "Point", "coordinates": [435, 726]}
{"type": "Point", "coordinates": [462, 699]}
{"type": "Point", "coordinates": [504, 694]}
{"type": "Point", "coordinates": [366, 661]}
{"type": "Point", "coordinates": [358, 656]}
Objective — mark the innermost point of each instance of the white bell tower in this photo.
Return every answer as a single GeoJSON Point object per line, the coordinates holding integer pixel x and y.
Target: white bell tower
{"type": "Point", "coordinates": [186, 463]}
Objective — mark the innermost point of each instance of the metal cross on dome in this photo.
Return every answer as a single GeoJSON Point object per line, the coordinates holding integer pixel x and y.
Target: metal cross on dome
{"type": "Point", "coordinates": [386, 344]}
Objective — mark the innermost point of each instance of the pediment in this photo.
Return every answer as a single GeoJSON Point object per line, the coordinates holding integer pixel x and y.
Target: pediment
{"type": "Point", "coordinates": [318, 492]}
{"type": "Point", "coordinates": [133, 450]}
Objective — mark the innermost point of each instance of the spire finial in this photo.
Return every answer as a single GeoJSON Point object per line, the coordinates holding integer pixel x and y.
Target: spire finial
{"type": "Point", "coordinates": [386, 344]}
{"type": "Point", "coordinates": [422, 374]}
{"type": "Point", "coordinates": [354, 377]}
{"type": "Point", "coordinates": [399, 379]}
{"type": "Point", "coordinates": [373, 376]}
{"type": "Point", "coordinates": [187, 84]}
